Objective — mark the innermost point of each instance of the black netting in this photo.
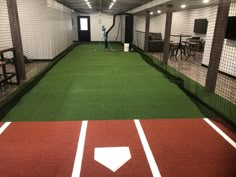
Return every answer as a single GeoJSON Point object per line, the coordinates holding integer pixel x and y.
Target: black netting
{"type": "Point", "coordinates": [190, 52]}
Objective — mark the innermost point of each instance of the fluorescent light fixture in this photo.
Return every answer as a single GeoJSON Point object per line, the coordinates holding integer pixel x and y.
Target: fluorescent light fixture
{"type": "Point", "coordinates": [159, 11]}
{"type": "Point", "coordinates": [88, 3]}
{"type": "Point", "coordinates": [151, 13]}
{"type": "Point", "coordinates": [112, 4]}
{"type": "Point", "coordinates": [183, 6]}
{"type": "Point", "coordinates": [205, 1]}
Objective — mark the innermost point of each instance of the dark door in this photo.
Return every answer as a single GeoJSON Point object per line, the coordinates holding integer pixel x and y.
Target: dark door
{"type": "Point", "coordinates": [84, 28]}
{"type": "Point", "coordinates": [129, 23]}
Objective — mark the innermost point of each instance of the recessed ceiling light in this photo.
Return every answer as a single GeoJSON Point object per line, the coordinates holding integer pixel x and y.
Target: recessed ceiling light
{"type": "Point", "coordinates": [112, 3]}
{"type": "Point", "coordinates": [205, 1]}
{"type": "Point", "coordinates": [86, 0]}
{"type": "Point", "coordinates": [151, 13]}
{"type": "Point", "coordinates": [159, 11]}
{"type": "Point", "coordinates": [183, 6]}
{"type": "Point", "coordinates": [114, 0]}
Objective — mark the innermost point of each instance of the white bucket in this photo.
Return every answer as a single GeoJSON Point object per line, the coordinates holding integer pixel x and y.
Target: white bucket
{"type": "Point", "coordinates": [126, 47]}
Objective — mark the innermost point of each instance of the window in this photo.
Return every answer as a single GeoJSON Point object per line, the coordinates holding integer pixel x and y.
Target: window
{"type": "Point", "coordinates": [83, 24]}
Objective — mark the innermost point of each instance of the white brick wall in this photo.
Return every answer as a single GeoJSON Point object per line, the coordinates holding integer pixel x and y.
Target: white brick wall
{"type": "Point", "coordinates": [183, 23]}
{"type": "Point", "coordinates": [210, 33]}
{"type": "Point", "coordinates": [228, 56]}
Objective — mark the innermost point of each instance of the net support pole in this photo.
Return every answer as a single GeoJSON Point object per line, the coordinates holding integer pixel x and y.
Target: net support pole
{"type": "Point", "coordinates": [217, 44]}
{"type": "Point", "coordinates": [166, 49]}
{"type": "Point", "coordinates": [147, 27]}
{"type": "Point", "coordinates": [16, 38]}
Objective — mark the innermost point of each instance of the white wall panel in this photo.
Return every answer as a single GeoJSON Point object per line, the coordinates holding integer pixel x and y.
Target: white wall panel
{"type": "Point", "coordinates": [75, 26]}
{"type": "Point", "coordinates": [123, 29]}
{"type": "Point", "coordinates": [139, 28]}
{"type": "Point", "coordinates": [140, 22]}
{"type": "Point", "coordinates": [157, 24]}
{"type": "Point", "coordinates": [5, 33]}
{"type": "Point", "coordinates": [46, 28]}
{"type": "Point", "coordinates": [99, 20]}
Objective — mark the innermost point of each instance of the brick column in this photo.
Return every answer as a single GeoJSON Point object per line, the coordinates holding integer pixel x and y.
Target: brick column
{"type": "Point", "coordinates": [217, 44]}
{"type": "Point", "coordinates": [16, 38]}
{"type": "Point", "coordinates": [147, 31]}
{"type": "Point", "coordinates": [169, 15]}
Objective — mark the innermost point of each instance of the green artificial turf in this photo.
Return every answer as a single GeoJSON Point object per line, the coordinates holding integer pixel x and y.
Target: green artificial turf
{"type": "Point", "coordinates": [88, 84]}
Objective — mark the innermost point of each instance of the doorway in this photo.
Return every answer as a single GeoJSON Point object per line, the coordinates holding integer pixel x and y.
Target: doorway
{"type": "Point", "coordinates": [84, 28]}
{"type": "Point", "coordinates": [129, 23]}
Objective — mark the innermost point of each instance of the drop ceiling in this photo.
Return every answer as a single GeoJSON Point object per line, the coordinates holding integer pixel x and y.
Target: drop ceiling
{"type": "Point", "coordinates": [126, 5]}
{"type": "Point", "coordinates": [190, 4]}
{"type": "Point", "coordinates": [102, 5]}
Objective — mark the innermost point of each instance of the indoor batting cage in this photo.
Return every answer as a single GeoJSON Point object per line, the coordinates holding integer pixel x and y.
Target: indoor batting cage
{"type": "Point", "coordinates": [125, 88]}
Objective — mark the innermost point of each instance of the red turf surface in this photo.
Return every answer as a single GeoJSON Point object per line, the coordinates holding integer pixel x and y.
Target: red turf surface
{"type": "Point", "coordinates": [181, 147]}
{"type": "Point", "coordinates": [184, 148]}
{"type": "Point", "coordinates": [226, 128]}
{"type": "Point", "coordinates": [110, 134]}
{"type": "Point", "coordinates": [38, 149]}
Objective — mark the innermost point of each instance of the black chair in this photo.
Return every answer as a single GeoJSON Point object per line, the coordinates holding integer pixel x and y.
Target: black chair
{"type": "Point", "coordinates": [173, 49]}
{"type": "Point", "coordinates": [198, 43]}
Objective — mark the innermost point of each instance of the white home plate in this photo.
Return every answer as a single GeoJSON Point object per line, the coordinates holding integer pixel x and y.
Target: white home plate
{"type": "Point", "coordinates": [112, 157]}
